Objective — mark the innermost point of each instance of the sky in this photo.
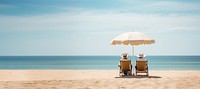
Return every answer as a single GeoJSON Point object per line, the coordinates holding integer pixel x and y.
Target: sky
{"type": "Point", "coordinates": [86, 27]}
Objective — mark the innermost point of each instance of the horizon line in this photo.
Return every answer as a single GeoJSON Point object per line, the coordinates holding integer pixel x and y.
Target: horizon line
{"type": "Point", "coordinates": [95, 55]}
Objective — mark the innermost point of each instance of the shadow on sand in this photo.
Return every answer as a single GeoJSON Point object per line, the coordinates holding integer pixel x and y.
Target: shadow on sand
{"type": "Point", "coordinates": [138, 76]}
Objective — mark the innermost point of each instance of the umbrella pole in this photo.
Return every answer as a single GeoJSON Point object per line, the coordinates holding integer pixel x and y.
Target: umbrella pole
{"type": "Point", "coordinates": [133, 58]}
{"type": "Point", "coordinates": [133, 52]}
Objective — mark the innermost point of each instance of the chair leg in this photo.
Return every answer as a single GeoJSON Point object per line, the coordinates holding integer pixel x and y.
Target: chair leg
{"type": "Point", "coordinates": [147, 71]}
{"type": "Point", "coordinates": [131, 72]}
{"type": "Point", "coordinates": [120, 73]}
{"type": "Point", "coordinates": [135, 73]}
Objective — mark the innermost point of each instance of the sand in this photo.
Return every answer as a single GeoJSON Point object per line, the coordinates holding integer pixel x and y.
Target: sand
{"type": "Point", "coordinates": [97, 79]}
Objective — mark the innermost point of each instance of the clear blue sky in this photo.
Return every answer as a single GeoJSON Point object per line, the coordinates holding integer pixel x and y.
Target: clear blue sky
{"type": "Point", "coordinates": [86, 27]}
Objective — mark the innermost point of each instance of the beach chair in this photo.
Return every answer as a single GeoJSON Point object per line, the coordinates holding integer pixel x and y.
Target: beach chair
{"type": "Point", "coordinates": [125, 68]}
{"type": "Point", "coordinates": [142, 67]}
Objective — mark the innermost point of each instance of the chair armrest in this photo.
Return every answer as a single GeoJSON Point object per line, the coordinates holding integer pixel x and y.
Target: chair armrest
{"type": "Point", "coordinates": [147, 67]}
{"type": "Point", "coordinates": [136, 67]}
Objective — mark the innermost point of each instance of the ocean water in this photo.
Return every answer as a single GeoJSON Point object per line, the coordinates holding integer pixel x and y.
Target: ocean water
{"type": "Point", "coordinates": [95, 62]}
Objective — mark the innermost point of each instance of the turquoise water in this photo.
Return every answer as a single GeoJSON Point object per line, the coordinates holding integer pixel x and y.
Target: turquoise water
{"type": "Point", "coordinates": [95, 62]}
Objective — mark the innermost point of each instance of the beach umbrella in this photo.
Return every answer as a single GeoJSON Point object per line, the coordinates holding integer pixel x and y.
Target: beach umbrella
{"type": "Point", "coordinates": [133, 39]}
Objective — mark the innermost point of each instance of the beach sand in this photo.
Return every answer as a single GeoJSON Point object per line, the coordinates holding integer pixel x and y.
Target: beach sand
{"type": "Point", "coordinates": [97, 79]}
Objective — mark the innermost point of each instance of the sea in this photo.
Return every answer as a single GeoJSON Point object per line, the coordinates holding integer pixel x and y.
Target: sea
{"type": "Point", "coordinates": [94, 62]}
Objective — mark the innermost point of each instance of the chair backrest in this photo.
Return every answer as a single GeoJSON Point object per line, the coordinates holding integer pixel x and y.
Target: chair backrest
{"type": "Point", "coordinates": [125, 65]}
{"type": "Point", "coordinates": [141, 65]}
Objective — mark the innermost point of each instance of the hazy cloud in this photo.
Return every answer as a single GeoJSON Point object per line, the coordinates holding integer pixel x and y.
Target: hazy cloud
{"type": "Point", "coordinates": [92, 21]}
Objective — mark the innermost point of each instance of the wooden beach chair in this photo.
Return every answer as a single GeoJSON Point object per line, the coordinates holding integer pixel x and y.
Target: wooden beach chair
{"type": "Point", "coordinates": [142, 67]}
{"type": "Point", "coordinates": [125, 67]}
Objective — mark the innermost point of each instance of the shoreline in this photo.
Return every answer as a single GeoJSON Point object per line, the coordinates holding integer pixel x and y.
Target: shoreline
{"type": "Point", "coordinates": [92, 79]}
